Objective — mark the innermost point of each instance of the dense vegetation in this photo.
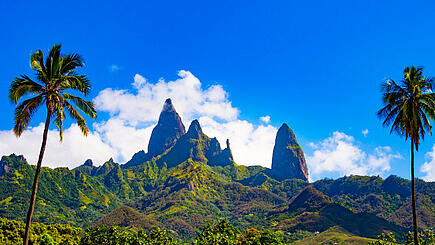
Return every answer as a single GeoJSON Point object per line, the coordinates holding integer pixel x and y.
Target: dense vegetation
{"type": "Point", "coordinates": [221, 232]}
{"type": "Point", "coordinates": [182, 199]}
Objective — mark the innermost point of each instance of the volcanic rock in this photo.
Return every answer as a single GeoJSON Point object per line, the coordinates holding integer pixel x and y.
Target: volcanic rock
{"type": "Point", "coordinates": [168, 129]}
{"type": "Point", "coordinates": [288, 161]}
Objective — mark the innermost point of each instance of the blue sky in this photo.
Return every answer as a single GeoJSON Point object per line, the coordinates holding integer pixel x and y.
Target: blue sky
{"type": "Point", "coordinates": [317, 66]}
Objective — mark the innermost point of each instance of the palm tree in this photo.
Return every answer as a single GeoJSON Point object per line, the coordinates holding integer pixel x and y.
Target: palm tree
{"type": "Point", "coordinates": [406, 108]}
{"type": "Point", "coordinates": [54, 77]}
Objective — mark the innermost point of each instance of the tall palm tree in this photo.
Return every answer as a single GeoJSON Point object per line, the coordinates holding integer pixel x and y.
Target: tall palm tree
{"type": "Point", "coordinates": [407, 107]}
{"type": "Point", "coordinates": [54, 77]}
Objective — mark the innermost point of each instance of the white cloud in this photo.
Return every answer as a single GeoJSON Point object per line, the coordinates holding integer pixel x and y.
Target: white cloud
{"type": "Point", "coordinates": [139, 81]}
{"type": "Point", "coordinates": [73, 151]}
{"type": "Point", "coordinates": [250, 144]}
{"type": "Point", "coordinates": [429, 166]}
{"type": "Point", "coordinates": [134, 114]}
{"type": "Point", "coordinates": [113, 68]}
{"type": "Point", "coordinates": [132, 118]}
{"type": "Point", "coordinates": [265, 119]}
{"type": "Point", "coordinates": [190, 100]}
{"type": "Point", "coordinates": [339, 154]}
{"type": "Point", "coordinates": [365, 132]}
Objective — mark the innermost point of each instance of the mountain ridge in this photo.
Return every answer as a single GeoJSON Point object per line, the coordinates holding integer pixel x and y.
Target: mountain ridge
{"type": "Point", "coordinates": [195, 180]}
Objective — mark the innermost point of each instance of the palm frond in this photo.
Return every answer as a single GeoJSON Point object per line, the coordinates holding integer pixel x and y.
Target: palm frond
{"type": "Point", "coordinates": [81, 122]}
{"type": "Point", "coordinates": [22, 85]}
{"type": "Point", "coordinates": [37, 61]}
{"type": "Point", "coordinates": [59, 116]}
{"type": "Point", "coordinates": [24, 112]}
{"type": "Point", "coordinates": [407, 107]}
{"type": "Point", "coordinates": [75, 81]}
{"type": "Point", "coordinates": [86, 106]}
{"type": "Point", "coordinates": [71, 62]}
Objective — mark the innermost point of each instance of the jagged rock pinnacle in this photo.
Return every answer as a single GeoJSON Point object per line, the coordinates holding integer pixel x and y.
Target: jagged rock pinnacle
{"type": "Point", "coordinates": [88, 163]}
{"type": "Point", "coordinates": [168, 107]}
{"type": "Point", "coordinates": [288, 160]}
{"type": "Point", "coordinates": [168, 129]}
{"type": "Point", "coordinates": [194, 129]}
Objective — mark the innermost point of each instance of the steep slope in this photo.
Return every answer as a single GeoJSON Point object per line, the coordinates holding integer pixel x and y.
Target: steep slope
{"type": "Point", "coordinates": [128, 217]}
{"type": "Point", "coordinates": [312, 211]}
{"type": "Point", "coordinates": [194, 180]}
{"type": "Point", "coordinates": [168, 129]}
{"type": "Point", "coordinates": [389, 198]}
{"type": "Point", "coordinates": [64, 196]}
{"type": "Point", "coordinates": [192, 194]}
{"type": "Point", "coordinates": [197, 146]}
{"type": "Point", "coordinates": [288, 160]}
{"type": "Point", "coordinates": [184, 197]}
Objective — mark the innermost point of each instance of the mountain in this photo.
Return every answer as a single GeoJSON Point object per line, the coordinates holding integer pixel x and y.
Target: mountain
{"type": "Point", "coordinates": [312, 211]}
{"type": "Point", "coordinates": [309, 199]}
{"type": "Point", "coordinates": [197, 146]}
{"type": "Point", "coordinates": [288, 161]}
{"type": "Point", "coordinates": [194, 181]}
{"type": "Point", "coordinates": [128, 217]}
{"type": "Point", "coordinates": [168, 129]}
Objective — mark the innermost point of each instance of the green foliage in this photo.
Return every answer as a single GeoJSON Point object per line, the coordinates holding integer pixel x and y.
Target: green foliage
{"type": "Point", "coordinates": [385, 239]}
{"type": "Point", "coordinates": [224, 233]}
{"type": "Point", "coordinates": [182, 198]}
{"type": "Point", "coordinates": [113, 235]}
{"type": "Point", "coordinates": [424, 238]}
{"type": "Point", "coordinates": [334, 235]}
{"type": "Point", "coordinates": [255, 237]}
{"type": "Point", "coordinates": [46, 239]}
{"type": "Point", "coordinates": [11, 232]}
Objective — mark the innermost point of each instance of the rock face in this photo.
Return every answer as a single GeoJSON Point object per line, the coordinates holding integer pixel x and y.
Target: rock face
{"type": "Point", "coordinates": [217, 156]}
{"type": "Point", "coordinates": [168, 130]}
{"type": "Point", "coordinates": [288, 161]}
{"type": "Point", "coordinates": [197, 146]}
{"type": "Point", "coordinates": [88, 163]}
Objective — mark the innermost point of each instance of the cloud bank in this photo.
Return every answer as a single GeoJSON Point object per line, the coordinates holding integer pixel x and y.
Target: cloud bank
{"type": "Point", "coordinates": [428, 167]}
{"type": "Point", "coordinates": [73, 151]}
{"type": "Point", "coordinates": [134, 112]}
{"type": "Point", "coordinates": [340, 154]}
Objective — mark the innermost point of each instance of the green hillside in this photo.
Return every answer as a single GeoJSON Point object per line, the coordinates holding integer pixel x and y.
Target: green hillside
{"type": "Point", "coordinates": [187, 180]}
{"type": "Point", "coordinates": [333, 235]}
{"type": "Point", "coordinates": [183, 198]}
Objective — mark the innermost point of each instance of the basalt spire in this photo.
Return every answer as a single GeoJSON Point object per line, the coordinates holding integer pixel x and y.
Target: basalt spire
{"type": "Point", "coordinates": [288, 161]}
{"type": "Point", "coordinates": [168, 129]}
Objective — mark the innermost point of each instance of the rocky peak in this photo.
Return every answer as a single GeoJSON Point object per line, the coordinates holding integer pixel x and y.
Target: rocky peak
{"type": "Point", "coordinates": [217, 156]}
{"type": "Point", "coordinates": [168, 129]}
{"type": "Point", "coordinates": [215, 147]}
{"type": "Point", "coordinates": [88, 163]}
{"type": "Point", "coordinates": [285, 136]}
{"type": "Point", "coordinates": [195, 130]}
{"type": "Point", "coordinates": [168, 106]}
{"type": "Point", "coordinates": [7, 163]}
{"type": "Point", "coordinates": [106, 167]}
{"type": "Point", "coordinates": [288, 160]}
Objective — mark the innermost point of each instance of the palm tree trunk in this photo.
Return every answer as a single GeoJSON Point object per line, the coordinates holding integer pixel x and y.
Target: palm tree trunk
{"type": "Point", "coordinates": [35, 180]}
{"type": "Point", "coordinates": [414, 212]}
